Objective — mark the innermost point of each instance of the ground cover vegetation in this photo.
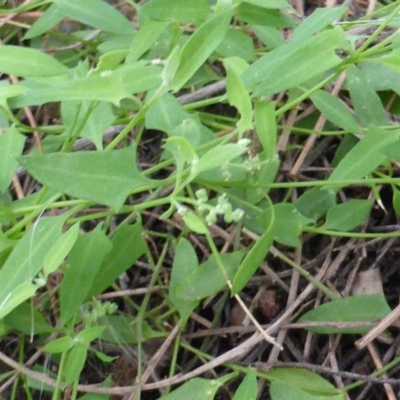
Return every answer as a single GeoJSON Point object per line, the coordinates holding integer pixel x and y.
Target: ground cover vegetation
{"type": "Point", "coordinates": [199, 199]}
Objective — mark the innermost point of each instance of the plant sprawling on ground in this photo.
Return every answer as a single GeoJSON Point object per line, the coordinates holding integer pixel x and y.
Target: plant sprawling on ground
{"type": "Point", "coordinates": [199, 199]}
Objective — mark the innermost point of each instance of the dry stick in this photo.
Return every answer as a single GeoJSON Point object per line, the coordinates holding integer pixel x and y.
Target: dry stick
{"type": "Point", "coordinates": [382, 325]}
{"type": "Point", "coordinates": [318, 126]}
{"type": "Point", "coordinates": [378, 363]}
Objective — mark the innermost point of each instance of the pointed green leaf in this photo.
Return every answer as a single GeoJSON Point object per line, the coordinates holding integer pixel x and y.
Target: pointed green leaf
{"type": "Point", "coordinates": [60, 250]}
{"type": "Point", "coordinates": [335, 111]}
{"type": "Point", "coordinates": [238, 96]}
{"type": "Point", "coordinates": [265, 123]}
{"type": "Point", "coordinates": [274, 71]}
{"type": "Point", "coordinates": [59, 345]}
{"type": "Point", "coordinates": [26, 259]}
{"type": "Point", "coordinates": [40, 64]}
{"type": "Point", "coordinates": [84, 263]}
{"type": "Point", "coordinates": [127, 246]}
{"type": "Point", "coordinates": [366, 102]}
{"type": "Point", "coordinates": [248, 388]}
{"type": "Point", "coordinates": [338, 216]}
{"type": "Point", "coordinates": [106, 177]}
{"type": "Point", "coordinates": [185, 262]}
{"type": "Point", "coordinates": [194, 223]}
{"type": "Point", "coordinates": [207, 279]}
{"type": "Point", "coordinates": [350, 309]}
{"type": "Point", "coordinates": [195, 389]}
{"type": "Point", "coordinates": [75, 363]}
{"type": "Point", "coordinates": [95, 87]}
{"type": "Point", "coordinates": [11, 147]}
{"type": "Point", "coordinates": [253, 260]}
{"type": "Point", "coordinates": [199, 47]}
{"type": "Point", "coordinates": [365, 156]}
{"type": "Point", "coordinates": [183, 11]}
{"type": "Point", "coordinates": [96, 13]}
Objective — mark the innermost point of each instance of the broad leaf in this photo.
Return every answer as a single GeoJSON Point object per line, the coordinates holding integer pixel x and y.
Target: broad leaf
{"type": "Point", "coordinates": [106, 177]}
{"type": "Point", "coordinates": [195, 389]}
{"type": "Point", "coordinates": [350, 309]}
{"type": "Point", "coordinates": [338, 216]}
{"type": "Point", "coordinates": [247, 390]}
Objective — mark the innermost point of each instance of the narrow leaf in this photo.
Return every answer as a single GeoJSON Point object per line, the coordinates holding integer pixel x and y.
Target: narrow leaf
{"type": "Point", "coordinates": [336, 111]}
{"type": "Point", "coordinates": [274, 71]}
{"type": "Point", "coordinates": [199, 47]}
{"type": "Point", "coordinates": [26, 259]}
{"type": "Point", "coordinates": [365, 156]}
{"type": "Point", "coordinates": [11, 147]}
{"type": "Point", "coordinates": [96, 13]}
{"type": "Point", "coordinates": [75, 363]}
{"type": "Point", "coordinates": [40, 64]}
{"type": "Point", "coordinates": [253, 260]}
{"type": "Point", "coordinates": [265, 123]}
{"type": "Point", "coordinates": [185, 262]}
{"type": "Point", "coordinates": [195, 389]}
{"type": "Point", "coordinates": [60, 250]}
{"type": "Point", "coordinates": [248, 388]}
{"type": "Point", "coordinates": [127, 246]}
{"type": "Point", "coordinates": [84, 262]}
{"type": "Point", "coordinates": [105, 177]}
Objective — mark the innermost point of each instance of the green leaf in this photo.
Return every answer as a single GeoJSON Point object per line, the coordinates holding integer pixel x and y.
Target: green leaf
{"type": "Point", "coordinates": [11, 147]}
{"type": "Point", "coordinates": [96, 13]}
{"type": "Point", "coordinates": [185, 262]}
{"type": "Point", "coordinates": [40, 64]}
{"type": "Point", "coordinates": [253, 260]}
{"type": "Point", "coordinates": [350, 309]}
{"type": "Point", "coordinates": [269, 3]}
{"type": "Point", "coordinates": [366, 102]}
{"type": "Point", "coordinates": [194, 223]}
{"type": "Point", "coordinates": [281, 390]}
{"type": "Point", "coordinates": [365, 156]}
{"type": "Point", "coordinates": [208, 279]}
{"type": "Point", "coordinates": [335, 111]}
{"type": "Point", "coordinates": [238, 96]}
{"type": "Point", "coordinates": [59, 345]}
{"type": "Point", "coordinates": [84, 263]}
{"type": "Point", "coordinates": [182, 11]}
{"type": "Point", "coordinates": [22, 292]}
{"type": "Point", "coordinates": [396, 200]}
{"type": "Point", "coordinates": [92, 120]}
{"type": "Point", "coordinates": [248, 388]}
{"type": "Point", "coordinates": [49, 19]}
{"type": "Point", "coordinates": [220, 155]}
{"type": "Point", "coordinates": [26, 259]}
{"type": "Point", "coordinates": [127, 246]}
{"type": "Point", "coordinates": [195, 389]}
{"type": "Point", "coordinates": [265, 123]}
{"type": "Point", "coordinates": [89, 334]}
{"type": "Point", "coordinates": [315, 203]}
{"type": "Point", "coordinates": [199, 47]}
{"type": "Point", "coordinates": [256, 15]}
{"type": "Point", "coordinates": [106, 177]}
{"type": "Point", "coordinates": [303, 379]}
{"type": "Point", "coordinates": [75, 363]}
{"type": "Point", "coordinates": [101, 88]}
{"type": "Point", "coordinates": [60, 250]}
{"type": "Point", "coordinates": [317, 21]}
{"type": "Point", "coordinates": [347, 216]}
{"type": "Point", "coordinates": [27, 320]}
{"type": "Point", "coordinates": [145, 37]}
{"type": "Point", "coordinates": [237, 44]}
{"type": "Point", "coordinates": [274, 71]}
{"type": "Point", "coordinates": [109, 61]}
